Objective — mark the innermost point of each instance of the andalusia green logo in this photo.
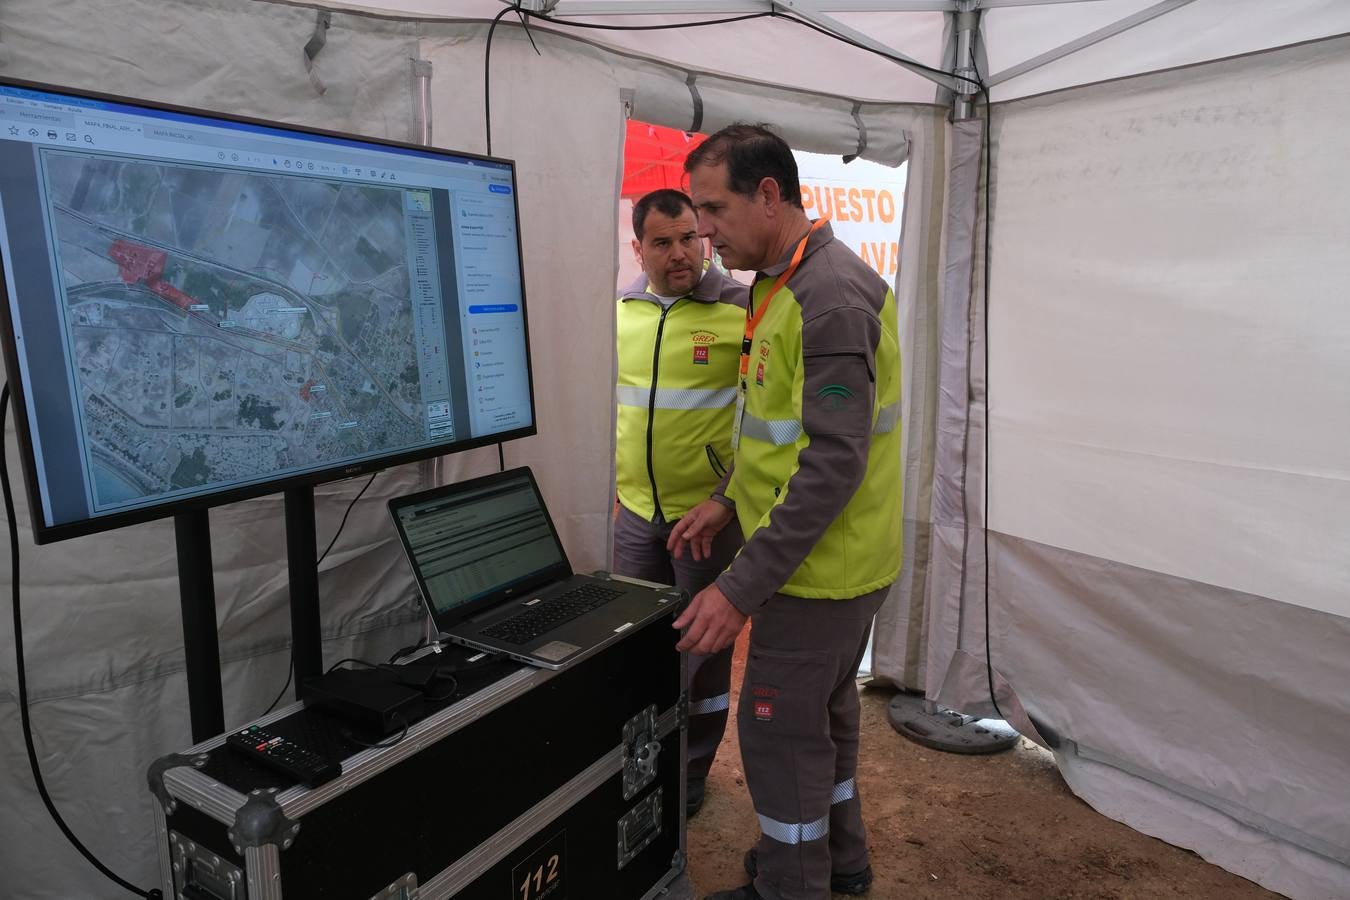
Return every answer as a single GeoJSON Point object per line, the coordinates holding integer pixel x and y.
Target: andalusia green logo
{"type": "Point", "coordinates": [834, 395]}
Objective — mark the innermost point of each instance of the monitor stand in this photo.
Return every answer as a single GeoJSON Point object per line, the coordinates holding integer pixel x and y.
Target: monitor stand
{"type": "Point", "coordinates": [197, 595]}
{"type": "Point", "coordinates": [302, 561]}
{"type": "Point", "coordinates": [201, 640]}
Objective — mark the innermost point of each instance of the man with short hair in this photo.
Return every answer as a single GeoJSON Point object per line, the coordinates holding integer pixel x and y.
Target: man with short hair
{"type": "Point", "coordinates": [815, 486]}
{"type": "Point", "coordinates": [678, 330]}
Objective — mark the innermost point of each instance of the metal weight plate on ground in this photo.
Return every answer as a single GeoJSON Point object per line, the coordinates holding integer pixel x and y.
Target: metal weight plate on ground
{"type": "Point", "coordinates": [945, 729]}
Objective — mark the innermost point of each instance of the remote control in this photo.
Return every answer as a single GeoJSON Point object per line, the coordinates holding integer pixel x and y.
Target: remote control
{"type": "Point", "coordinates": [274, 751]}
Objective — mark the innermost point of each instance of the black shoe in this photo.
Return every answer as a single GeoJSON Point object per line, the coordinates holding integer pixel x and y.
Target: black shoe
{"type": "Point", "coordinates": [693, 796]}
{"type": "Point", "coordinates": [853, 885]}
{"type": "Point", "coordinates": [744, 892]}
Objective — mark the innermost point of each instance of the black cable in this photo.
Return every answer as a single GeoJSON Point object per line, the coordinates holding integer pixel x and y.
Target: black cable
{"type": "Point", "coordinates": [487, 79]}
{"type": "Point", "coordinates": [526, 14]}
{"type": "Point", "coordinates": [444, 695]}
{"type": "Point", "coordinates": [343, 523]}
{"type": "Point", "coordinates": [406, 651]}
{"type": "Point", "coordinates": [666, 27]}
{"type": "Point", "coordinates": [290, 663]}
{"type": "Point", "coordinates": [380, 744]}
{"type": "Point", "coordinates": [351, 659]}
{"type": "Point", "coordinates": [988, 151]}
{"type": "Point", "coordinates": [23, 678]}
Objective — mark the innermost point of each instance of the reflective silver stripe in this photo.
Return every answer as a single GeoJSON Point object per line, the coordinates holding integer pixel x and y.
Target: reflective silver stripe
{"type": "Point", "coordinates": [710, 705]}
{"type": "Point", "coordinates": [785, 833]}
{"type": "Point", "coordinates": [844, 790]}
{"type": "Point", "coordinates": [779, 432]}
{"type": "Point", "coordinates": [887, 419]}
{"type": "Point", "coordinates": [676, 398]}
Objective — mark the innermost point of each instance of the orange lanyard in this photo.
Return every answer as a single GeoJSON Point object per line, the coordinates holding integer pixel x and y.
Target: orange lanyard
{"type": "Point", "coordinates": [752, 322]}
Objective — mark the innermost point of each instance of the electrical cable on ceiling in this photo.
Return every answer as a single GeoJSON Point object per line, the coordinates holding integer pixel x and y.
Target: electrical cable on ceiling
{"type": "Point", "coordinates": [774, 13]}
{"type": "Point", "coordinates": [152, 894]}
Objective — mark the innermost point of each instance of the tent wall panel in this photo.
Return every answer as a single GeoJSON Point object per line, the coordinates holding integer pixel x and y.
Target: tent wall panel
{"type": "Point", "coordinates": [1167, 487]}
{"type": "Point", "coordinates": [1179, 685]}
{"type": "Point", "coordinates": [1173, 398]}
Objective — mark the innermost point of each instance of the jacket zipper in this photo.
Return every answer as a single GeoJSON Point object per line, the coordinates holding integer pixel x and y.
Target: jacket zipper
{"type": "Point", "coordinates": [870, 376]}
{"type": "Point", "coordinates": [651, 407]}
{"type": "Point", "coordinates": [715, 461]}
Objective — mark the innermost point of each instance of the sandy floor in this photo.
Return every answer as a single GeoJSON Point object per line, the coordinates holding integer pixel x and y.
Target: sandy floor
{"type": "Point", "coordinates": [946, 825]}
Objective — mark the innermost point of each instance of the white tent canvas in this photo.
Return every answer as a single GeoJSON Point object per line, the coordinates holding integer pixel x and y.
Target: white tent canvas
{"type": "Point", "coordinates": [1154, 338]}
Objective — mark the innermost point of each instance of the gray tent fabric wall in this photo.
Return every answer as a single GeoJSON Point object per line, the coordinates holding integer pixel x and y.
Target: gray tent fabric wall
{"type": "Point", "coordinates": [1182, 704]}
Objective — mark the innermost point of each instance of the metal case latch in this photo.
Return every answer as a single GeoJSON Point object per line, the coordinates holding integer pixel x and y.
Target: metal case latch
{"type": "Point", "coordinates": [639, 827]}
{"type": "Point", "coordinates": [405, 888]}
{"type": "Point", "coordinates": [640, 750]}
{"type": "Point", "coordinates": [197, 872]}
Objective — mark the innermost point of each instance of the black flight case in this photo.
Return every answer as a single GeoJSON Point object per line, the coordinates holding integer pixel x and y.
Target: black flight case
{"type": "Point", "coordinates": [523, 784]}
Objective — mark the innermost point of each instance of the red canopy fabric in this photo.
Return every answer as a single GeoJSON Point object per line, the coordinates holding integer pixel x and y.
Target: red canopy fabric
{"type": "Point", "coordinates": [653, 158]}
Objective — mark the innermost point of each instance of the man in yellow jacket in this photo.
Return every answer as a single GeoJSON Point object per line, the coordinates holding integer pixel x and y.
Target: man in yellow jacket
{"type": "Point", "coordinates": [815, 486]}
{"type": "Point", "coordinates": [678, 333]}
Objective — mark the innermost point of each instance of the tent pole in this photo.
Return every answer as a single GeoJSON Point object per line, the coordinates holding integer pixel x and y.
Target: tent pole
{"type": "Point", "coordinates": [967, 21]}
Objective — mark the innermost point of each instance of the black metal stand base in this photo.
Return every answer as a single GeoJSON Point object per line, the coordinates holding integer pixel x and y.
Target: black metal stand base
{"type": "Point", "coordinates": [939, 728]}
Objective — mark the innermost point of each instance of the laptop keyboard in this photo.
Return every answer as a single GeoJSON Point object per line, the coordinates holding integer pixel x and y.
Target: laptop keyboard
{"type": "Point", "coordinates": [547, 615]}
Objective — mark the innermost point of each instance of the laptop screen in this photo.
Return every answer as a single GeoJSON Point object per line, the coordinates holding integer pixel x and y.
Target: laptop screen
{"type": "Point", "coordinates": [479, 540]}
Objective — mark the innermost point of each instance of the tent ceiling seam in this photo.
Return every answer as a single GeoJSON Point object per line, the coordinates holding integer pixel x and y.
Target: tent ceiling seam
{"type": "Point", "coordinates": [1251, 54]}
{"type": "Point", "coordinates": [1087, 40]}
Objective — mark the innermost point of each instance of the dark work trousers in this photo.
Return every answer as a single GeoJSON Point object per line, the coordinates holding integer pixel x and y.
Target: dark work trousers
{"type": "Point", "coordinates": [640, 552]}
{"type": "Point", "coordinates": [798, 721]}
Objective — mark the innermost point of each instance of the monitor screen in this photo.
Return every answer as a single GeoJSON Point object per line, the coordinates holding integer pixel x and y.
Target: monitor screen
{"type": "Point", "coordinates": [200, 309]}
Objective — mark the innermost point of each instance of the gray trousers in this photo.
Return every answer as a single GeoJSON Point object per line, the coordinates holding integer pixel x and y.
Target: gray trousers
{"type": "Point", "coordinates": [640, 552]}
{"type": "Point", "coordinates": [798, 721]}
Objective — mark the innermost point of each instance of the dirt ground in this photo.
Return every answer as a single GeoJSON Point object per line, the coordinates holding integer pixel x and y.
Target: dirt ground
{"type": "Point", "coordinates": [944, 825]}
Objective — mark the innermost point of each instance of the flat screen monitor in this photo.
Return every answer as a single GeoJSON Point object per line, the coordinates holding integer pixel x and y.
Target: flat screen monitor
{"type": "Point", "coordinates": [199, 308]}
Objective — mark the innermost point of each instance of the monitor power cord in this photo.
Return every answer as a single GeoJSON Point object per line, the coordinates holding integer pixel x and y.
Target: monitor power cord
{"type": "Point", "coordinates": [153, 893]}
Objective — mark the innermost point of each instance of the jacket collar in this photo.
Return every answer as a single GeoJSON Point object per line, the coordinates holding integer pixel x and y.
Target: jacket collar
{"type": "Point", "coordinates": [708, 289]}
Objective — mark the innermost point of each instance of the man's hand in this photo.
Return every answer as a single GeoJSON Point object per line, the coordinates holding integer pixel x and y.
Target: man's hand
{"type": "Point", "coordinates": [697, 528]}
{"type": "Point", "coordinates": [712, 621]}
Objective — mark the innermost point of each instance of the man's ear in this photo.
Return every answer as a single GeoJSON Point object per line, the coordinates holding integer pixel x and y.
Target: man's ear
{"type": "Point", "coordinates": [637, 253]}
{"type": "Point", "coordinates": [767, 192]}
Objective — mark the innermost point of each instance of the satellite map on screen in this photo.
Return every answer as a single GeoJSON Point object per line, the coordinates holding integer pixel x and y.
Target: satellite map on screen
{"type": "Point", "coordinates": [227, 325]}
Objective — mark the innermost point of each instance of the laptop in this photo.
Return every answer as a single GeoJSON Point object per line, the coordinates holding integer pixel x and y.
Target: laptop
{"type": "Point", "coordinates": [494, 576]}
